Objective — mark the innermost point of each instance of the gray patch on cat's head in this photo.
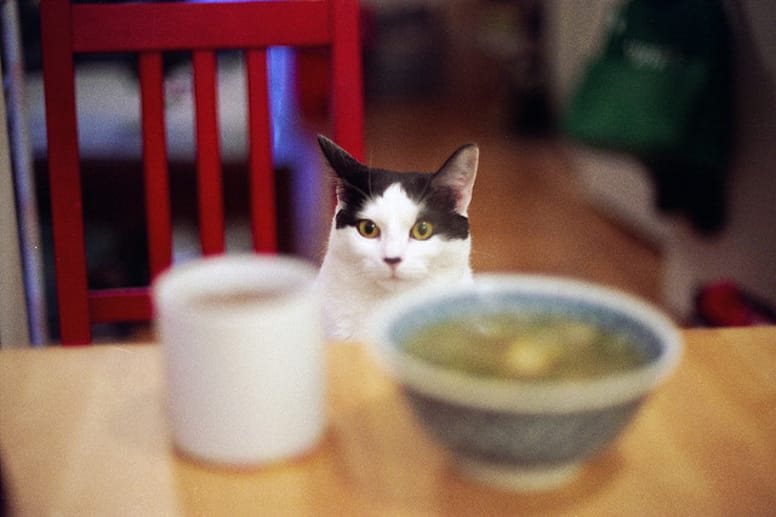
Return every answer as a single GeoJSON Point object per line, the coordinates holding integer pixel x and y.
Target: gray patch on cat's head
{"type": "Point", "coordinates": [444, 195]}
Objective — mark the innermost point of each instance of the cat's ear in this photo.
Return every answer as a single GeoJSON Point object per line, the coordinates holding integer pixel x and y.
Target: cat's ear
{"type": "Point", "coordinates": [458, 174]}
{"type": "Point", "coordinates": [343, 164]}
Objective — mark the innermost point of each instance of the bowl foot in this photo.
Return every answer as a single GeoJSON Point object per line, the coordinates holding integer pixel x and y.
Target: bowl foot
{"type": "Point", "coordinates": [519, 478]}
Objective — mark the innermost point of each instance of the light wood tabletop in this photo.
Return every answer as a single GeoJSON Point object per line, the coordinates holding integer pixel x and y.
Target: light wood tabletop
{"type": "Point", "coordinates": [84, 432]}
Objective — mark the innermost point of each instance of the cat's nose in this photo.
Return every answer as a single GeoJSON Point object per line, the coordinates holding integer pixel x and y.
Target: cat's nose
{"type": "Point", "coordinates": [392, 261]}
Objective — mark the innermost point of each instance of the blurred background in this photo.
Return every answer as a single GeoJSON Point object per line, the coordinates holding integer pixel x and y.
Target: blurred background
{"type": "Point", "coordinates": [437, 74]}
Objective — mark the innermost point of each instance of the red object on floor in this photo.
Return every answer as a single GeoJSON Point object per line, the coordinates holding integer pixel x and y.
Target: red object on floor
{"type": "Point", "coordinates": [724, 304]}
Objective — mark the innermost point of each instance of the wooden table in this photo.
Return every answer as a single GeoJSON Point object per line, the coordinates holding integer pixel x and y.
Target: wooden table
{"type": "Point", "coordinates": [83, 432]}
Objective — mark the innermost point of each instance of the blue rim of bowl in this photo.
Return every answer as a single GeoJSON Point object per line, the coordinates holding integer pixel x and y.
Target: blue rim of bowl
{"type": "Point", "coordinates": [650, 326]}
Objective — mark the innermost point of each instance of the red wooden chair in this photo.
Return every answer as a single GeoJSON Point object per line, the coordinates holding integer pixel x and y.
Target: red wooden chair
{"type": "Point", "coordinates": [149, 30]}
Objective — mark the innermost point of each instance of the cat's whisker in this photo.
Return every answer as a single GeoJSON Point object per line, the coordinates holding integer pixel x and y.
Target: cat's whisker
{"type": "Point", "coordinates": [426, 189]}
{"type": "Point", "coordinates": [483, 254]}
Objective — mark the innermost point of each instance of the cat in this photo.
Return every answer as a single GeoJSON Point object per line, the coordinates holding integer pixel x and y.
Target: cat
{"type": "Point", "coordinates": [391, 232]}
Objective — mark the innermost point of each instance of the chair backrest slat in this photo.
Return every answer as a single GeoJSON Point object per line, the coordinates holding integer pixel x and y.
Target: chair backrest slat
{"type": "Point", "coordinates": [156, 173]}
{"type": "Point", "coordinates": [210, 184]}
{"type": "Point", "coordinates": [262, 181]}
{"type": "Point", "coordinates": [137, 26]}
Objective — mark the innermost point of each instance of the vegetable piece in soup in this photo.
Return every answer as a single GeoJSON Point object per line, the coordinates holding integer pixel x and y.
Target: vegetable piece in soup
{"type": "Point", "coordinates": [524, 347]}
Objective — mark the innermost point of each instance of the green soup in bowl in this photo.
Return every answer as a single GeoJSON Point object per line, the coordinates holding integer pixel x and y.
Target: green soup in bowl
{"type": "Point", "coordinates": [525, 346]}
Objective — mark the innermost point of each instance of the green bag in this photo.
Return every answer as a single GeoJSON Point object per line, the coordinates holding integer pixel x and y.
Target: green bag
{"type": "Point", "coordinates": [636, 108]}
{"type": "Point", "coordinates": [661, 89]}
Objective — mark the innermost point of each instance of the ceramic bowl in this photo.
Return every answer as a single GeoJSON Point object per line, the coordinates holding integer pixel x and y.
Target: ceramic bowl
{"type": "Point", "coordinates": [523, 434]}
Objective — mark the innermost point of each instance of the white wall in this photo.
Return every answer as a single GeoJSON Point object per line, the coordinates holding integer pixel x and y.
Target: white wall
{"type": "Point", "coordinates": [13, 307]}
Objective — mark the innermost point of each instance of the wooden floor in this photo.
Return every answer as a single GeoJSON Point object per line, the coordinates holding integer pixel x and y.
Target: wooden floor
{"type": "Point", "coordinates": [527, 213]}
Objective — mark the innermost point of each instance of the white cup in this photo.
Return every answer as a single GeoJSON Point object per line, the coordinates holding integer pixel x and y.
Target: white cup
{"type": "Point", "coordinates": [243, 350]}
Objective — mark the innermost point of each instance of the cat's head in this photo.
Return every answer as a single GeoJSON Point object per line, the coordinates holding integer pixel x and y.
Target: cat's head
{"type": "Point", "coordinates": [400, 227]}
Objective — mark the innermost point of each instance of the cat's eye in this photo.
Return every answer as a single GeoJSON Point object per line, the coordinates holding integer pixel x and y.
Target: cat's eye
{"type": "Point", "coordinates": [368, 229]}
{"type": "Point", "coordinates": [422, 230]}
